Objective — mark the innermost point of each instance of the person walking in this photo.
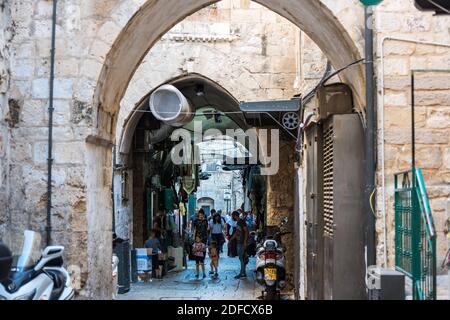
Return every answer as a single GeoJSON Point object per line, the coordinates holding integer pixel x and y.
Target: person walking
{"type": "Point", "coordinates": [200, 226]}
{"type": "Point", "coordinates": [199, 250]}
{"type": "Point", "coordinates": [241, 237]}
{"type": "Point", "coordinates": [155, 246]}
{"type": "Point", "coordinates": [211, 215]}
{"type": "Point", "coordinates": [213, 252]}
{"type": "Point", "coordinates": [216, 228]}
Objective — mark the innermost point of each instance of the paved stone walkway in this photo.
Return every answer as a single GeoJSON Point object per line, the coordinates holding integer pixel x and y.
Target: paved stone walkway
{"type": "Point", "coordinates": [183, 285]}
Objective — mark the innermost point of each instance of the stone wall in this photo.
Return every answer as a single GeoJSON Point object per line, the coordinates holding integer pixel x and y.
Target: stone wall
{"type": "Point", "coordinates": [215, 187]}
{"type": "Point", "coordinates": [236, 45]}
{"type": "Point", "coordinates": [232, 43]}
{"type": "Point", "coordinates": [4, 114]}
{"type": "Point", "coordinates": [86, 31]}
{"type": "Point", "coordinates": [400, 19]}
{"type": "Point", "coordinates": [281, 201]}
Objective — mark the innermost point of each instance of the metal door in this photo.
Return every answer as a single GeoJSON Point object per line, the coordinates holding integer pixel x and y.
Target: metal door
{"type": "Point", "coordinates": [343, 189]}
{"type": "Point", "coordinates": [314, 220]}
{"type": "Point", "coordinates": [328, 211]}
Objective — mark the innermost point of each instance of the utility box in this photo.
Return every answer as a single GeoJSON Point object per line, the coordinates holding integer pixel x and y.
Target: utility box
{"type": "Point", "coordinates": [385, 284]}
{"type": "Point", "coordinates": [335, 98]}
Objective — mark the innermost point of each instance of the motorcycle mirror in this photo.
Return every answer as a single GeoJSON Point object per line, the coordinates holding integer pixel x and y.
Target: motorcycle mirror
{"type": "Point", "coordinates": [5, 261]}
{"type": "Point", "coordinates": [49, 253]}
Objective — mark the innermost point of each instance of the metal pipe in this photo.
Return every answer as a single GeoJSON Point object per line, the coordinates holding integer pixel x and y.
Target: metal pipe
{"type": "Point", "coordinates": [112, 189]}
{"type": "Point", "coordinates": [383, 174]}
{"type": "Point", "coordinates": [413, 131]}
{"type": "Point", "coordinates": [369, 138]}
{"type": "Point", "coordinates": [50, 127]}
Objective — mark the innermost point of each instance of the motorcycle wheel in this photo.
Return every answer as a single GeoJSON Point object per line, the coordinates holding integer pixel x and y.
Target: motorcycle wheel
{"type": "Point", "coordinates": [271, 293]}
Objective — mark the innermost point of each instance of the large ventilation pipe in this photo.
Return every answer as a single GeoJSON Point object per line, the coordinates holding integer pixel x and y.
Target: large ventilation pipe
{"type": "Point", "coordinates": [169, 105]}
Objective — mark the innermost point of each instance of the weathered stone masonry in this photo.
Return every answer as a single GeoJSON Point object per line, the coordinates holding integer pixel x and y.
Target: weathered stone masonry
{"type": "Point", "coordinates": [92, 75]}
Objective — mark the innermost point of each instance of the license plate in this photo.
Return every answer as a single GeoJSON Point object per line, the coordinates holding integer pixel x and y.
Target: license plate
{"type": "Point", "coordinates": [270, 274]}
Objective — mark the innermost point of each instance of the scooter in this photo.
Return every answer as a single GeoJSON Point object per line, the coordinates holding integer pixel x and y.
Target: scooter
{"type": "Point", "coordinates": [115, 274]}
{"type": "Point", "coordinates": [36, 275]}
{"type": "Point", "coordinates": [271, 263]}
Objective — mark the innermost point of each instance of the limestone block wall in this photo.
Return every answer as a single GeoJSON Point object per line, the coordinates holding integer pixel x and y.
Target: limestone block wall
{"type": "Point", "coordinates": [281, 201]}
{"type": "Point", "coordinates": [4, 114]}
{"type": "Point", "coordinates": [234, 43]}
{"type": "Point", "coordinates": [215, 186]}
{"type": "Point", "coordinates": [312, 64]}
{"type": "Point", "coordinates": [400, 19]}
{"type": "Point", "coordinates": [77, 24]}
{"type": "Point", "coordinates": [86, 31]}
{"type": "Point", "coordinates": [244, 47]}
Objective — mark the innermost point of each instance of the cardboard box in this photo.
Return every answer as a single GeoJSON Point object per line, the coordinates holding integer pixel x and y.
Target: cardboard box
{"type": "Point", "coordinates": [143, 260]}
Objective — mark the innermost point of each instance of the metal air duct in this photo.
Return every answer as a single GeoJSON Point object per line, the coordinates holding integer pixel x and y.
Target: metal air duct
{"type": "Point", "coordinates": [169, 105]}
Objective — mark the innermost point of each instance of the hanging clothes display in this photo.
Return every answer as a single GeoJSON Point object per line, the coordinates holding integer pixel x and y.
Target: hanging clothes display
{"type": "Point", "coordinates": [189, 184]}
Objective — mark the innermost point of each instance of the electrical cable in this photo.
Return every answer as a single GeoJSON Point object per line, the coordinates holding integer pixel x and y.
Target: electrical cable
{"type": "Point", "coordinates": [371, 203]}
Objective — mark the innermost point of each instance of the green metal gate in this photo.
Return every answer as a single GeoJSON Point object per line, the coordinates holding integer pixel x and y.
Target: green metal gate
{"type": "Point", "coordinates": [415, 236]}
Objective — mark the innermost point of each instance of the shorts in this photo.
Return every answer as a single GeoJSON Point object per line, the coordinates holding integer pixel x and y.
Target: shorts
{"type": "Point", "coordinates": [199, 260]}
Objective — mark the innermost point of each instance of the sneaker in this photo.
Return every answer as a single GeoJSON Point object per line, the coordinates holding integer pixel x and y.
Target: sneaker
{"type": "Point", "coordinates": [242, 276]}
{"type": "Point", "coordinates": [211, 272]}
{"type": "Point", "coordinates": [196, 276]}
{"type": "Point", "coordinates": [237, 276]}
{"type": "Point", "coordinates": [204, 276]}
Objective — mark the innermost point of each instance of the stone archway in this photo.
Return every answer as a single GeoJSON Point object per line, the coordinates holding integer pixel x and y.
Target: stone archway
{"type": "Point", "coordinates": [129, 125]}
{"type": "Point", "coordinates": [134, 41]}
{"type": "Point", "coordinates": [143, 30]}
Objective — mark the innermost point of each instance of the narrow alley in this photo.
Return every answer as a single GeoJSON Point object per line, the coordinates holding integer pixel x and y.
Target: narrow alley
{"type": "Point", "coordinates": [183, 285]}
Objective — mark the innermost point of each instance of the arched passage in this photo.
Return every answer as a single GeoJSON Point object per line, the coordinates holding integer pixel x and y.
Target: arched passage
{"type": "Point", "coordinates": [156, 17]}
{"type": "Point", "coordinates": [143, 152]}
{"type": "Point", "coordinates": [143, 30]}
{"type": "Point", "coordinates": [219, 97]}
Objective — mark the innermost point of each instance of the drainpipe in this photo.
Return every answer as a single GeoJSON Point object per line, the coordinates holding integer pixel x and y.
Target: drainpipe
{"type": "Point", "coordinates": [112, 189]}
{"type": "Point", "coordinates": [369, 138]}
{"type": "Point", "coordinates": [383, 174]}
{"type": "Point", "coordinates": [50, 128]}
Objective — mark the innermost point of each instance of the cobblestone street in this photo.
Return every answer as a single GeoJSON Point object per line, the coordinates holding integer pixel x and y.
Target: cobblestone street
{"type": "Point", "coordinates": [183, 285]}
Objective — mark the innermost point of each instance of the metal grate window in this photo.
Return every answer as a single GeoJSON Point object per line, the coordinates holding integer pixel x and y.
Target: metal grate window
{"type": "Point", "coordinates": [328, 182]}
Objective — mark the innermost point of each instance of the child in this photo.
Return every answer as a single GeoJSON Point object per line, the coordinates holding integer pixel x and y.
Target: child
{"type": "Point", "coordinates": [214, 255]}
{"type": "Point", "coordinates": [199, 249]}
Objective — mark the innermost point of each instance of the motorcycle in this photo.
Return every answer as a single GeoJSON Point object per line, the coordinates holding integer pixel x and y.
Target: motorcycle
{"type": "Point", "coordinates": [36, 274]}
{"type": "Point", "coordinates": [271, 262]}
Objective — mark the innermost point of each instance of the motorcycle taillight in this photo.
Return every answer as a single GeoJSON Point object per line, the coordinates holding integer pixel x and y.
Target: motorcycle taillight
{"type": "Point", "coordinates": [271, 255]}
